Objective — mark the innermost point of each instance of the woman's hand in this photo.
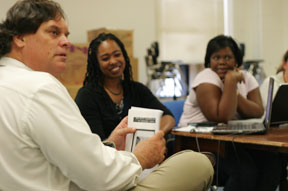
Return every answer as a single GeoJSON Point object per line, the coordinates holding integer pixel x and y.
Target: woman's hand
{"type": "Point", "coordinates": [234, 75]}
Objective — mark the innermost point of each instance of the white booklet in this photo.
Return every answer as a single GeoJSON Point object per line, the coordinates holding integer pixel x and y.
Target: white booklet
{"type": "Point", "coordinates": [146, 121]}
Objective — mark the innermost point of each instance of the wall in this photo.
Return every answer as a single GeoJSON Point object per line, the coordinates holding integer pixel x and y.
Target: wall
{"type": "Point", "coordinates": [184, 34]}
{"type": "Point", "coordinates": [275, 33]}
{"type": "Point", "coordinates": [247, 27]}
{"type": "Point", "coordinates": [125, 14]}
{"type": "Point", "coordinates": [261, 24]}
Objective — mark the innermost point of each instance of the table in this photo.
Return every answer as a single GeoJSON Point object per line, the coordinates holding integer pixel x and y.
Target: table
{"type": "Point", "coordinates": [276, 139]}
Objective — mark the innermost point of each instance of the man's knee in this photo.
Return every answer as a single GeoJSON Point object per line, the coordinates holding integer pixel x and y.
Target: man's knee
{"type": "Point", "coordinates": [190, 162]}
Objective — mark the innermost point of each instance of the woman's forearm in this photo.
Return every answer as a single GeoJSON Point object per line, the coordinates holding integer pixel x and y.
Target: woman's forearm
{"type": "Point", "coordinates": [250, 107]}
{"type": "Point", "coordinates": [167, 123]}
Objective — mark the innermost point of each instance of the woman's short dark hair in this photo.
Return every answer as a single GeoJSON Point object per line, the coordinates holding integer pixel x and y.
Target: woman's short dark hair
{"type": "Point", "coordinates": [94, 75]}
{"type": "Point", "coordinates": [220, 42]}
{"type": "Point", "coordinates": [285, 59]}
{"type": "Point", "coordinates": [25, 17]}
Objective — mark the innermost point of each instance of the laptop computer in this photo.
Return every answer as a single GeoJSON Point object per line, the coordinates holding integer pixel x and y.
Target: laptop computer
{"type": "Point", "coordinates": [250, 126]}
{"type": "Point", "coordinates": [280, 106]}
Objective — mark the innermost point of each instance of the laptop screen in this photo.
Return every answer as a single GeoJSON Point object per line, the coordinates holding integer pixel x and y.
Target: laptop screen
{"type": "Point", "coordinates": [280, 106]}
{"type": "Point", "coordinates": [269, 103]}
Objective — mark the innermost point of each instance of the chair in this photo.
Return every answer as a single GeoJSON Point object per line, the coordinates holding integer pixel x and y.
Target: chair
{"type": "Point", "coordinates": [176, 107]}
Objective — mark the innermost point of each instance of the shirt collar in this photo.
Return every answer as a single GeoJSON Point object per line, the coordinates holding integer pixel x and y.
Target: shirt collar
{"type": "Point", "coordinates": [8, 61]}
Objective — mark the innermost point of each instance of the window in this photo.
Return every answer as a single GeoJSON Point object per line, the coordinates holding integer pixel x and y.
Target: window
{"type": "Point", "coordinates": [186, 26]}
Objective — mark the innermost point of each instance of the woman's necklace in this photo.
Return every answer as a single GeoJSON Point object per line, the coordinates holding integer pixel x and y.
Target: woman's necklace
{"type": "Point", "coordinates": [114, 93]}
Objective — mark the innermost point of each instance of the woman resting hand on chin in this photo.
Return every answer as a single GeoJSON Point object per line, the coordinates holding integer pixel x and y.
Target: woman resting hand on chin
{"type": "Point", "coordinates": [223, 92]}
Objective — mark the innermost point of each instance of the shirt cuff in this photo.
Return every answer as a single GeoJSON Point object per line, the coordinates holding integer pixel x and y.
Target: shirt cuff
{"type": "Point", "coordinates": [109, 144]}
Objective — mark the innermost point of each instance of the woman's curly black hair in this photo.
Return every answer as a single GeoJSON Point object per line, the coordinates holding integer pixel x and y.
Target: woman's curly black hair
{"type": "Point", "coordinates": [94, 75]}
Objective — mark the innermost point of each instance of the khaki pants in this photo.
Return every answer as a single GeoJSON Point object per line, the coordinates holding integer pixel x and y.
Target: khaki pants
{"type": "Point", "coordinates": [185, 170]}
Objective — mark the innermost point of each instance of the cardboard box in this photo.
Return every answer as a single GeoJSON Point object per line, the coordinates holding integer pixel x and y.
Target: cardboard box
{"type": "Point", "coordinates": [72, 78]}
{"type": "Point", "coordinates": [73, 90]}
{"type": "Point", "coordinates": [134, 65]}
{"type": "Point", "coordinates": [126, 36]}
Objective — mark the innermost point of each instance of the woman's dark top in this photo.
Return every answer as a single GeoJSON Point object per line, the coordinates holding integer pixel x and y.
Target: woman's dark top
{"type": "Point", "coordinates": [100, 111]}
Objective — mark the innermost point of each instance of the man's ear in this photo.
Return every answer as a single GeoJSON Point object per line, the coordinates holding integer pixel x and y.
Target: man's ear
{"type": "Point", "coordinates": [19, 41]}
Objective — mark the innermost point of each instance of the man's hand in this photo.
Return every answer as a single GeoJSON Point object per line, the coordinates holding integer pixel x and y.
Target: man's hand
{"type": "Point", "coordinates": [151, 151]}
{"type": "Point", "coordinates": [118, 135]}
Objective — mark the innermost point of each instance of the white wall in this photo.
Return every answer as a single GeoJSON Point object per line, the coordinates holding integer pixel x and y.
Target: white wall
{"type": "Point", "coordinates": [183, 35]}
{"type": "Point", "coordinates": [84, 15]}
{"type": "Point", "coordinates": [261, 24]}
{"type": "Point", "coordinates": [248, 27]}
{"type": "Point", "coordinates": [275, 33]}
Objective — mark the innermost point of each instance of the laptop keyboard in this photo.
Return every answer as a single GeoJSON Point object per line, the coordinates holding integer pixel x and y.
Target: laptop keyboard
{"type": "Point", "coordinates": [246, 126]}
{"type": "Point", "coordinates": [236, 128]}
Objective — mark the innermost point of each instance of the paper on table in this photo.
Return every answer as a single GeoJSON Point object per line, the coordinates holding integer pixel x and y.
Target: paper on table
{"type": "Point", "coordinates": [195, 129]}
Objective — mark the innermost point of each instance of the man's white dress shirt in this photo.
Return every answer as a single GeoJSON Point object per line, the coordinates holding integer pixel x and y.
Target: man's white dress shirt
{"type": "Point", "coordinates": [45, 143]}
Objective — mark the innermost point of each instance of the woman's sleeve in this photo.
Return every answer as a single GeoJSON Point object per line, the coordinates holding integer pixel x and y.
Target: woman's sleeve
{"type": "Point", "coordinates": [251, 82]}
{"type": "Point", "coordinates": [90, 111]}
{"type": "Point", "coordinates": [207, 76]}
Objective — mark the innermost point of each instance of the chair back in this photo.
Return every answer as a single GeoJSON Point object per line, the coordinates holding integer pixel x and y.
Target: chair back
{"type": "Point", "coordinates": [176, 107]}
